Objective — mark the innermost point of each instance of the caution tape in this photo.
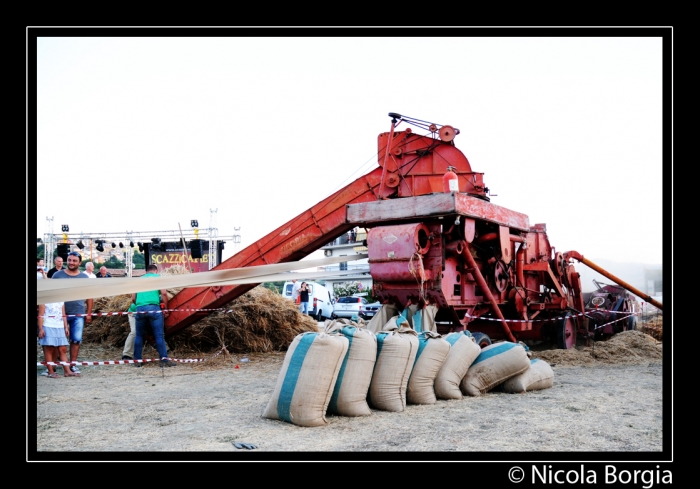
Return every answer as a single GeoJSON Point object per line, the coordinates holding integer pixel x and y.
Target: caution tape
{"type": "Point", "coordinates": [124, 362]}
{"type": "Point", "coordinates": [121, 313]}
{"type": "Point", "coordinates": [626, 314]}
{"type": "Point", "coordinates": [558, 318]}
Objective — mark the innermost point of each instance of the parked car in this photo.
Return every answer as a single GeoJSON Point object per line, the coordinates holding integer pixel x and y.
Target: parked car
{"type": "Point", "coordinates": [369, 310]}
{"type": "Point", "coordinates": [320, 299]}
{"type": "Point", "coordinates": [347, 307]}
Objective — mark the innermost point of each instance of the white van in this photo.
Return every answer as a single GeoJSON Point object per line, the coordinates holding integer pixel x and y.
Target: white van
{"type": "Point", "coordinates": [320, 299]}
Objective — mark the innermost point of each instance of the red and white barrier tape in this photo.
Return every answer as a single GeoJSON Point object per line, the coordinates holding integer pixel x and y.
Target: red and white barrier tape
{"type": "Point", "coordinates": [124, 362]}
{"type": "Point", "coordinates": [121, 313]}
{"type": "Point", "coordinates": [551, 319]}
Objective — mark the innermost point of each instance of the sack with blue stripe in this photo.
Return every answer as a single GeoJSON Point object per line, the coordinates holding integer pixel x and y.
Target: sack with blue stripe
{"type": "Point", "coordinates": [539, 376]}
{"type": "Point", "coordinates": [432, 352]}
{"type": "Point", "coordinates": [495, 364]}
{"type": "Point", "coordinates": [463, 351]}
{"type": "Point", "coordinates": [396, 352]}
{"type": "Point", "coordinates": [349, 396]}
{"type": "Point", "coordinates": [385, 313]}
{"type": "Point", "coordinates": [306, 380]}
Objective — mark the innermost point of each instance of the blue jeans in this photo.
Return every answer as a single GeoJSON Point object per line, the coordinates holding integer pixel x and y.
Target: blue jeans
{"type": "Point", "coordinates": [150, 314]}
{"type": "Point", "coordinates": [304, 307]}
{"type": "Point", "coordinates": [75, 326]}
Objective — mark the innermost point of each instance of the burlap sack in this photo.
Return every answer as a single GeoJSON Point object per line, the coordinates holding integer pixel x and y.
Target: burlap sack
{"type": "Point", "coordinates": [463, 351]}
{"type": "Point", "coordinates": [386, 312]}
{"type": "Point", "coordinates": [539, 376]}
{"type": "Point", "coordinates": [495, 364]}
{"type": "Point", "coordinates": [396, 353]}
{"type": "Point", "coordinates": [349, 396]}
{"type": "Point", "coordinates": [432, 352]}
{"type": "Point", "coordinates": [306, 380]}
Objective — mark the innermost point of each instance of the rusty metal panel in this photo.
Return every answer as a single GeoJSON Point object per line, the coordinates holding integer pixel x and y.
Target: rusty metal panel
{"type": "Point", "coordinates": [478, 208]}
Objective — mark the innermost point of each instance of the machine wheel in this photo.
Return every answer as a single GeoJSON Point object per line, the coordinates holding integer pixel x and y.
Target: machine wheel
{"type": "Point", "coordinates": [481, 339]}
{"type": "Point", "coordinates": [319, 316]}
{"type": "Point", "coordinates": [566, 332]}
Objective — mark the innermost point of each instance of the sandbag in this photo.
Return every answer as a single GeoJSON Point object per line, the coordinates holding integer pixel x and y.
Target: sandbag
{"type": "Point", "coordinates": [349, 396]}
{"type": "Point", "coordinates": [396, 353]}
{"type": "Point", "coordinates": [463, 351]}
{"type": "Point", "coordinates": [386, 312]}
{"type": "Point", "coordinates": [420, 320]}
{"type": "Point", "coordinates": [495, 364]}
{"type": "Point", "coordinates": [432, 352]}
{"type": "Point", "coordinates": [539, 376]}
{"type": "Point", "coordinates": [306, 380]}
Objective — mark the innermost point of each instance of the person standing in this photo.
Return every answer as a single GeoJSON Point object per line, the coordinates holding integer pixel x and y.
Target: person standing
{"type": "Point", "coordinates": [304, 298]}
{"type": "Point", "coordinates": [90, 269]}
{"type": "Point", "coordinates": [40, 272]}
{"type": "Point", "coordinates": [53, 334]}
{"type": "Point", "coordinates": [295, 289]}
{"type": "Point", "coordinates": [104, 273]}
{"type": "Point", "coordinates": [148, 311]}
{"type": "Point", "coordinates": [128, 353]}
{"type": "Point", "coordinates": [79, 312]}
{"type": "Point", "coordinates": [58, 261]}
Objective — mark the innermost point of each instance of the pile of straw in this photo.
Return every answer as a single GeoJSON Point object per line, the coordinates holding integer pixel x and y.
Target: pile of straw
{"type": "Point", "coordinates": [259, 321]}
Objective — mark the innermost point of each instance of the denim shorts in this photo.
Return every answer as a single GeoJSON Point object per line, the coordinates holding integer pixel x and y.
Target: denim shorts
{"type": "Point", "coordinates": [76, 325]}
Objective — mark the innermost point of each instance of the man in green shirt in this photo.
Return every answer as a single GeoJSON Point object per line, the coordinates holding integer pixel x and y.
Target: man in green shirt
{"type": "Point", "coordinates": [148, 311]}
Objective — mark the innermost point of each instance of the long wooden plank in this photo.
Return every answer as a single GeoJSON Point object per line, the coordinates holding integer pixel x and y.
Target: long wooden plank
{"type": "Point", "coordinates": [435, 205]}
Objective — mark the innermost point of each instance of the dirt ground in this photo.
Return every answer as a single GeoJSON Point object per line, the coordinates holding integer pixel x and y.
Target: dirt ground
{"type": "Point", "coordinates": [605, 398]}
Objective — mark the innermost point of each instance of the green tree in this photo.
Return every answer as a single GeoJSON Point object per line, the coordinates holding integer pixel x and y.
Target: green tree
{"type": "Point", "coordinates": [274, 286]}
{"type": "Point", "coordinates": [40, 251]}
{"type": "Point", "coordinates": [114, 263]}
{"type": "Point", "coordinates": [139, 260]}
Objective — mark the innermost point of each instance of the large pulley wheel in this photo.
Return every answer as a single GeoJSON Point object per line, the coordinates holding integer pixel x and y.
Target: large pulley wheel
{"type": "Point", "coordinates": [500, 276]}
{"type": "Point", "coordinates": [566, 332]}
{"type": "Point", "coordinates": [559, 265]}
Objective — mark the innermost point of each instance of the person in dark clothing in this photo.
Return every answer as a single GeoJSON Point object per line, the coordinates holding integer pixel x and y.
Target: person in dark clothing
{"type": "Point", "coordinates": [58, 261]}
{"type": "Point", "coordinates": [304, 298]}
{"type": "Point", "coordinates": [103, 273]}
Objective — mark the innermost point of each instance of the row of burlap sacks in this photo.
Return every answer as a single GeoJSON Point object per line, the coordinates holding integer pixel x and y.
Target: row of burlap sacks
{"type": "Point", "coordinates": [351, 368]}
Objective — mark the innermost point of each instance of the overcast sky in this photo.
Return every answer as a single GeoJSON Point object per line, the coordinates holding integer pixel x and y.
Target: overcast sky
{"type": "Point", "coordinates": [140, 134]}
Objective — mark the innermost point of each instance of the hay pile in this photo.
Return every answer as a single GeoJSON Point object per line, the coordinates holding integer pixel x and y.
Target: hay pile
{"type": "Point", "coordinates": [653, 327]}
{"type": "Point", "coordinates": [258, 321]}
{"type": "Point", "coordinates": [623, 348]}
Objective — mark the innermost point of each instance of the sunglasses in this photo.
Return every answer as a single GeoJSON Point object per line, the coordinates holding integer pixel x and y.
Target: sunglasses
{"type": "Point", "coordinates": [74, 253]}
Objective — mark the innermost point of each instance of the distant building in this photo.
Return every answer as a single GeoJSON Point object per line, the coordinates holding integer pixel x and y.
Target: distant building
{"type": "Point", "coordinates": [653, 278]}
{"type": "Point", "coordinates": [350, 243]}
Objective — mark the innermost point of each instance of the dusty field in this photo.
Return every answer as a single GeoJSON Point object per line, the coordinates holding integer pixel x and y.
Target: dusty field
{"type": "Point", "coordinates": [604, 399]}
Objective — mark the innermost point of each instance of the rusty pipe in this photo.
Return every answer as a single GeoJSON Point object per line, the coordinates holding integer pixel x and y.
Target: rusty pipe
{"type": "Point", "coordinates": [578, 256]}
{"type": "Point", "coordinates": [520, 264]}
{"type": "Point", "coordinates": [386, 156]}
{"type": "Point", "coordinates": [484, 286]}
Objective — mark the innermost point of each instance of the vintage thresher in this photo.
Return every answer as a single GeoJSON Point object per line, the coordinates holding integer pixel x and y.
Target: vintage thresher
{"type": "Point", "coordinates": [435, 238]}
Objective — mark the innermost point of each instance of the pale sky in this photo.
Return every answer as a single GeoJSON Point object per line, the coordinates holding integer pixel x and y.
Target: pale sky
{"type": "Point", "coordinates": [140, 134]}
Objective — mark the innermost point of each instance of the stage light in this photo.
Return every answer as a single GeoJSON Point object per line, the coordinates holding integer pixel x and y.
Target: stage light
{"type": "Point", "coordinates": [155, 240]}
{"type": "Point", "coordinates": [194, 223]}
{"type": "Point", "coordinates": [140, 247]}
{"type": "Point", "coordinates": [80, 244]}
{"type": "Point", "coordinates": [114, 245]}
{"type": "Point", "coordinates": [131, 244]}
{"type": "Point", "coordinates": [121, 245]}
{"type": "Point", "coordinates": [99, 246]}
{"type": "Point", "coordinates": [64, 228]}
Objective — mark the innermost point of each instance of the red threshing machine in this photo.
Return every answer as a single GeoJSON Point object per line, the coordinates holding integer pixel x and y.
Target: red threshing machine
{"type": "Point", "coordinates": [435, 238]}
